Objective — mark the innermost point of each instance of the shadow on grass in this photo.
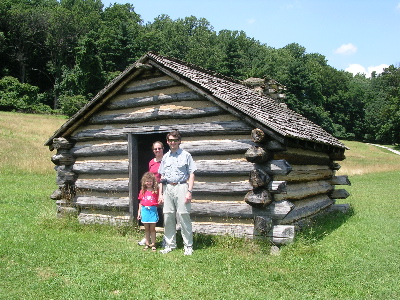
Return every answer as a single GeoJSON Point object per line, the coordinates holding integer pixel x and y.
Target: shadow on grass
{"type": "Point", "coordinates": [323, 225]}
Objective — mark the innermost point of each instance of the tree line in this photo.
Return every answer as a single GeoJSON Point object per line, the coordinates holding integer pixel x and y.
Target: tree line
{"type": "Point", "coordinates": [56, 55]}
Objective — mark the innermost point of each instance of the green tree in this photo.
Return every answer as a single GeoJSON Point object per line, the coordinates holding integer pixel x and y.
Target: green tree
{"type": "Point", "coordinates": [119, 37]}
{"type": "Point", "coordinates": [383, 110]}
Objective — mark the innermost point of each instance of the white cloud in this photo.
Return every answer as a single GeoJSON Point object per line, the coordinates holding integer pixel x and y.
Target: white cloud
{"type": "Point", "coordinates": [377, 69]}
{"type": "Point", "coordinates": [398, 6]}
{"type": "Point", "coordinates": [346, 49]}
{"type": "Point", "coordinates": [251, 21]}
{"type": "Point", "coordinates": [357, 68]}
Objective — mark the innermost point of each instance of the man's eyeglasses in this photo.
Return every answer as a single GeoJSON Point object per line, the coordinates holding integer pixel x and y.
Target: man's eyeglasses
{"type": "Point", "coordinates": [157, 148]}
{"type": "Point", "coordinates": [173, 140]}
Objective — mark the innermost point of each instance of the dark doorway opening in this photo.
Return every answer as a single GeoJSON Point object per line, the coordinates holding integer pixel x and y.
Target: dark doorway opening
{"type": "Point", "coordinates": [145, 154]}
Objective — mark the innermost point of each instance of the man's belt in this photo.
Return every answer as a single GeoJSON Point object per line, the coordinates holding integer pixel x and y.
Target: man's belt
{"type": "Point", "coordinates": [175, 183]}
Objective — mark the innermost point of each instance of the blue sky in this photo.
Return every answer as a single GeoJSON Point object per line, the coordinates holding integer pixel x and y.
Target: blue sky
{"type": "Point", "coordinates": [353, 35]}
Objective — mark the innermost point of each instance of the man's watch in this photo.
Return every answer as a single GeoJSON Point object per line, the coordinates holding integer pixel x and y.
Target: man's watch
{"type": "Point", "coordinates": [190, 191]}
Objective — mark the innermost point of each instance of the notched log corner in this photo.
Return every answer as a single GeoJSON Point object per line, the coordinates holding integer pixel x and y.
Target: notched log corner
{"type": "Point", "coordinates": [257, 154]}
{"type": "Point", "coordinates": [258, 198]}
{"type": "Point", "coordinates": [262, 225]}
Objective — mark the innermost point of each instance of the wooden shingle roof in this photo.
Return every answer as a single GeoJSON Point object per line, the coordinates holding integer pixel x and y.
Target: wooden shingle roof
{"type": "Point", "coordinates": [232, 93]}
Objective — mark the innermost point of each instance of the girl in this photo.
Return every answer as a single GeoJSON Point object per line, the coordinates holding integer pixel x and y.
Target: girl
{"type": "Point", "coordinates": [148, 197]}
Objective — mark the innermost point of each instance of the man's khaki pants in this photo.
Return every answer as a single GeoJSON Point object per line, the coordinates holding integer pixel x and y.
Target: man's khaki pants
{"type": "Point", "coordinates": [174, 205]}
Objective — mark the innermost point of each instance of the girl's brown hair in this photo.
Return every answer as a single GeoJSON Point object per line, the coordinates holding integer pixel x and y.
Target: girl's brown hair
{"type": "Point", "coordinates": [149, 177]}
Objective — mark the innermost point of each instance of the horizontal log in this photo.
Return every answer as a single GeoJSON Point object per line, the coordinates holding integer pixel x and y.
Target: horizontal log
{"type": "Point", "coordinates": [103, 185]}
{"type": "Point", "coordinates": [151, 86]}
{"type": "Point", "coordinates": [207, 147]}
{"type": "Point", "coordinates": [306, 208]}
{"type": "Point", "coordinates": [235, 230]}
{"type": "Point", "coordinates": [152, 100]}
{"type": "Point", "coordinates": [303, 157]}
{"type": "Point", "coordinates": [222, 167]}
{"type": "Point", "coordinates": [339, 194]}
{"type": "Point", "coordinates": [221, 209]}
{"type": "Point", "coordinates": [88, 216]}
{"type": "Point", "coordinates": [156, 115]}
{"type": "Point", "coordinates": [257, 154]}
{"type": "Point", "coordinates": [109, 149]}
{"type": "Point", "coordinates": [306, 173]}
{"type": "Point", "coordinates": [295, 191]}
{"type": "Point", "coordinates": [102, 203]}
{"type": "Point", "coordinates": [101, 167]}
{"type": "Point", "coordinates": [232, 188]}
{"type": "Point", "coordinates": [282, 234]}
{"type": "Point", "coordinates": [258, 198]}
{"type": "Point", "coordinates": [204, 167]}
{"type": "Point", "coordinates": [340, 180]}
{"type": "Point", "coordinates": [203, 147]}
{"type": "Point", "coordinates": [277, 210]}
{"type": "Point", "coordinates": [212, 128]}
{"type": "Point", "coordinates": [275, 167]}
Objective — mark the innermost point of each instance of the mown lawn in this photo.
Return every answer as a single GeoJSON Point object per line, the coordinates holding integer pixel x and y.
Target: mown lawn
{"type": "Point", "coordinates": [353, 256]}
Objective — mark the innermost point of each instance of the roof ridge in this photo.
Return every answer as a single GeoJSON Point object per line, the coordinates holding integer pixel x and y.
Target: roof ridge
{"type": "Point", "coordinates": [195, 67]}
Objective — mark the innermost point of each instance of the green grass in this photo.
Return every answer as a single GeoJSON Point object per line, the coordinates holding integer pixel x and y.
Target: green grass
{"type": "Point", "coordinates": [353, 256]}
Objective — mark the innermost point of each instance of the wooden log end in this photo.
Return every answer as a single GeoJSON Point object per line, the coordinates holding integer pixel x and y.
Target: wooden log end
{"type": "Point", "coordinates": [257, 154]}
{"type": "Point", "coordinates": [257, 135]}
{"type": "Point", "coordinates": [258, 198]}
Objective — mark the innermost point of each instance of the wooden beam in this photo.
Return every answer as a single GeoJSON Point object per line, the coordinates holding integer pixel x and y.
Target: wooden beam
{"type": "Point", "coordinates": [213, 128]}
{"type": "Point", "coordinates": [306, 208]}
{"type": "Point", "coordinates": [340, 180]}
{"type": "Point", "coordinates": [156, 115]}
{"type": "Point", "coordinates": [295, 191]}
{"type": "Point", "coordinates": [227, 209]}
{"type": "Point", "coordinates": [152, 100]}
{"type": "Point", "coordinates": [339, 194]}
{"type": "Point", "coordinates": [275, 167]}
{"type": "Point", "coordinates": [277, 210]}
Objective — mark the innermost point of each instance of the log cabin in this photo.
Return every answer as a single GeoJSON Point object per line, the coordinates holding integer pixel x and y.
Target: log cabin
{"type": "Point", "coordinates": [262, 168]}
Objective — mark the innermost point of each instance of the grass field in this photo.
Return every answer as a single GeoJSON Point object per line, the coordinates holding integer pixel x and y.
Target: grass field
{"type": "Point", "coordinates": [354, 256]}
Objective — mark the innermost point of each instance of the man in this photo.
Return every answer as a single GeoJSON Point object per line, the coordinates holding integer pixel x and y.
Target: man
{"type": "Point", "coordinates": [177, 178]}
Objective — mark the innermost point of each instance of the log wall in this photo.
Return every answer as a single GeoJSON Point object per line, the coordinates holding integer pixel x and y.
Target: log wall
{"type": "Point", "coordinates": [97, 161]}
{"type": "Point", "coordinates": [247, 184]}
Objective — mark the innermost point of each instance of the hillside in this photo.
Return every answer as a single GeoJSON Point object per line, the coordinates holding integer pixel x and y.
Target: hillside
{"type": "Point", "coordinates": [22, 137]}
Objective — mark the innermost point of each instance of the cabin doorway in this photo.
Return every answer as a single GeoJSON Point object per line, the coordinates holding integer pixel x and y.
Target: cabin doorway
{"type": "Point", "coordinates": [140, 154]}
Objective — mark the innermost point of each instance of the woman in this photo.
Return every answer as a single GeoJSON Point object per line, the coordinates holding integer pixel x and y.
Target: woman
{"type": "Point", "coordinates": [154, 164]}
